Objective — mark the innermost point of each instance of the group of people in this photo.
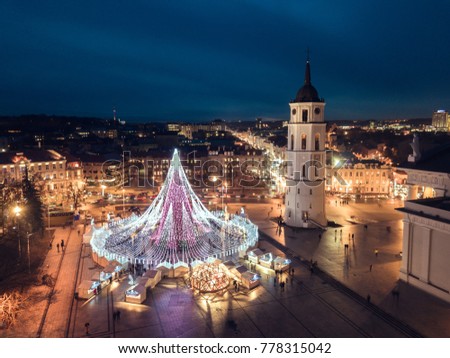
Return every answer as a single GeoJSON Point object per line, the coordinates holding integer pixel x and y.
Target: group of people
{"type": "Point", "coordinates": [58, 245]}
{"type": "Point", "coordinates": [341, 202]}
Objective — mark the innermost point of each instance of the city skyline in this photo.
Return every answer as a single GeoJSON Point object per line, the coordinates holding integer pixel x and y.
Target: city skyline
{"type": "Point", "coordinates": [235, 61]}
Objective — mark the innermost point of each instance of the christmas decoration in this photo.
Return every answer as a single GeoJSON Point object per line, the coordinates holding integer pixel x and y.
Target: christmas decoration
{"type": "Point", "coordinates": [176, 229]}
{"type": "Point", "coordinates": [209, 278]}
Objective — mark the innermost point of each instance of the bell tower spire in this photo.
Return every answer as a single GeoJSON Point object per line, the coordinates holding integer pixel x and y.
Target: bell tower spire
{"type": "Point", "coordinates": [305, 176]}
{"type": "Point", "coordinates": [307, 69]}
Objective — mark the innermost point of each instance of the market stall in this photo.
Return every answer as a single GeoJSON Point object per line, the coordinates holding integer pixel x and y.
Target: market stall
{"type": "Point", "coordinates": [114, 268]}
{"type": "Point", "coordinates": [254, 255]}
{"type": "Point", "coordinates": [250, 280]}
{"type": "Point", "coordinates": [86, 289]}
{"type": "Point", "coordinates": [165, 268]}
{"type": "Point", "coordinates": [266, 260]}
{"type": "Point", "coordinates": [102, 278]}
{"type": "Point", "coordinates": [238, 271]}
{"type": "Point", "coordinates": [136, 294]}
{"type": "Point", "coordinates": [180, 269]}
{"type": "Point", "coordinates": [281, 263]}
{"type": "Point", "coordinates": [153, 276]}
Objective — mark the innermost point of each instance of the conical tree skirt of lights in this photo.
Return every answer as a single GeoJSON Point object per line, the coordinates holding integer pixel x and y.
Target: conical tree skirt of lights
{"type": "Point", "coordinates": [175, 230]}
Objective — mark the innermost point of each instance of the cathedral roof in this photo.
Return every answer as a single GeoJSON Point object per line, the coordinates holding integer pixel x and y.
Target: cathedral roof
{"type": "Point", "coordinates": [307, 93]}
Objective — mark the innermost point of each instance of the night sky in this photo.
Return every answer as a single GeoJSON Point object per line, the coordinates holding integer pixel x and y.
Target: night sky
{"type": "Point", "coordinates": [235, 59]}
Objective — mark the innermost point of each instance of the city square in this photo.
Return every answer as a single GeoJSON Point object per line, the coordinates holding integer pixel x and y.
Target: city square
{"type": "Point", "coordinates": [196, 172]}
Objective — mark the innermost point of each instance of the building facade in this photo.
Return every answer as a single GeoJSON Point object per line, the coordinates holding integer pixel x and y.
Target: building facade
{"type": "Point", "coordinates": [305, 155]}
{"type": "Point", "coordinates": [441, 121]}
{"type": "Point", "coordinates": [363, 178]}
{"type": "Point", "coordinates": [426, 245]}
{"type": "Point", "coordinates": [426, 223]}
{"type": "Point", "coordinates": [52, 171]}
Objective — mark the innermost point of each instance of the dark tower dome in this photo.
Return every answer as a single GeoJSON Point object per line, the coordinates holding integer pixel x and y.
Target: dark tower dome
{"type": "Point", "coordinates": [307, 93]}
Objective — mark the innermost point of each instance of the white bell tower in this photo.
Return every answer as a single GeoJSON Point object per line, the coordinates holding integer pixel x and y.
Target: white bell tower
{"type": "Point", "coordinates": [305, 176]}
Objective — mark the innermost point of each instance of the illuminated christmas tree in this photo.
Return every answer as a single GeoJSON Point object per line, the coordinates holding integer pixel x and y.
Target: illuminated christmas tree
{"type": "Point", "coordinates": [175, 230]}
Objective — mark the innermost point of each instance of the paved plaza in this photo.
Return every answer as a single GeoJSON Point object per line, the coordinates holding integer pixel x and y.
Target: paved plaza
{"type": "Point", "coordinates": [330, 302]}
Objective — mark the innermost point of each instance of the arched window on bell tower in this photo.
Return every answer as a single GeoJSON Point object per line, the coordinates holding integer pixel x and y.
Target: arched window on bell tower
{"type": "Point", "coordinates": [303, 141]}
{"type": "Point", "coordinates": [304, 171]}
{"type": "Point", "coordinates": [317, 141]}
{"type": "Point", "coordinates": [292, 142]}
{"type": "Point", "coordinates": [305, 115]}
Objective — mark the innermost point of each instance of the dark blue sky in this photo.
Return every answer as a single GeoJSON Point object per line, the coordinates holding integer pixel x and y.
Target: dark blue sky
{"type": "Point", "coordinates": [234, 59]}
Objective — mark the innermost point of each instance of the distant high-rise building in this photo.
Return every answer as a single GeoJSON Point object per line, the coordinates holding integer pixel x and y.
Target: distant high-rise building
{"type": "Point", "coordinates": [173, 127]}
{"type": "Point", "coordinates": [441, 121]}
{"type": "Point", "coordinates": [305, 154]}
{"type": "Point", "coordinates": [258, 123]}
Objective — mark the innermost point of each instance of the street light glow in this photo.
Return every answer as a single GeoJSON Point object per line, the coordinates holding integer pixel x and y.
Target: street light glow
{"type": "Point", "coordinates": [17, 209]}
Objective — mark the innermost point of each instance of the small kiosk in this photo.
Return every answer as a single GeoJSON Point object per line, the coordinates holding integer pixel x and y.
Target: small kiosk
{"type": "Point", "coordinates": [153, 276]}
{"type": "Point", "coordinates": [180, 269]}
{"type": "Point", "coordinates": [254, 255]}
{"type": "Point", "coordinates": [142, 281]}
{"type": "Point", "coordinates": [250, 280]}
{"type": "Point", "coordinates": [113, 268]}
{"type": "Point", "coordinates": [229, 265]}
{"type": "Point", "coordinates": [165, 268]}
{"type": "Point", "coordinates": [101, 278]}
{"type": "Point", "coordinates": [136, 294]}
{"type": "Point", "coordinates": [266, 260]}
{"type": "Point", "coordinates": [281, 263]}
{"type": "Point", "coordinates": [238, 271]}
{"type": "Point", "coordinates": [86, 289]}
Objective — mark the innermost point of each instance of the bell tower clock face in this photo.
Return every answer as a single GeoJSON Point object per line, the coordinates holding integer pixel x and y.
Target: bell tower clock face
{"type": "Point", "coordinates": [317, 110]}
{"type": "Point", "coordinates": [294, 111]}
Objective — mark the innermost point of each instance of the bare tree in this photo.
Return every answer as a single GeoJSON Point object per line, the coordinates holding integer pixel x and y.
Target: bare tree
{"type": "Point", "coordinates": [10, 305]}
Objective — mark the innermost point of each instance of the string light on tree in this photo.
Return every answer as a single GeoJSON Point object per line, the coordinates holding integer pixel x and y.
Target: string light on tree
{"type": "Point", "coordinates": [176, 228]}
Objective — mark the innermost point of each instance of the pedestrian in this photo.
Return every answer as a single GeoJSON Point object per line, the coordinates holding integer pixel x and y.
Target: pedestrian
{"type": "Point", "coordinates": [50, 245]}
{"type": "Point", "coordinates": [370, 268]}
{"type": "Point", "coordinates": [118, 315]}
{"type": "Point", "coordinates": [353, 236]}
{"type": "Point", "coordinates": [292, 271]}
{"type": "Point", "coordinates": [86, 325]}
{"type": "Point", "coordinates": [62, 245]}
{"type": "Point", "coordinates": [375, 252]}
{"type": "Point", "coordinates": [57, 247]}
{"type": "Point", "coordinates": [320, 236]}
{"type": "Point", "coordinates": [368, 298]}
{"type": "Point", "coordinates": [78, 232]}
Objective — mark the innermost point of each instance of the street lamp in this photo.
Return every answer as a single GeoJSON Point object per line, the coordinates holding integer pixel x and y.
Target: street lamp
{"type": "Point", "coordinates": [29, 256]}
{"type": "Point", "coordinates": [17, 211]}
{"type": "Point", "coordinates": [214, 179]}
{"type": "Point", "coordinates": [123, 202]}
{"type": "Point", "coordinates": [103, 189]}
